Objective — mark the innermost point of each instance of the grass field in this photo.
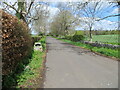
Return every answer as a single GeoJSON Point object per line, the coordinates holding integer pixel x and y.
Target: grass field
{"type": "Point", "coordinates": [109, 39]}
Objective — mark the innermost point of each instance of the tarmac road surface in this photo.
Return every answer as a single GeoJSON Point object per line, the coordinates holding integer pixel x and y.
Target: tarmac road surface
{"type": "Point", "coordinates": [68, 66]}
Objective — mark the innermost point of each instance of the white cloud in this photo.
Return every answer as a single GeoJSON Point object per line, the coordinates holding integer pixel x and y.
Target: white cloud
{"type": "Point", "coordinates": [55, 0]}
{"type": "Point", "coordinates": [72, 0]}
{"type": "Point", "coordinates": [106, 25]}
{"type": "Point", "coordinates": [53, 10]}
{"type": "Point", "coordinates": [115, 11]}
{"type": "Point", "coordinates": [103, 24]}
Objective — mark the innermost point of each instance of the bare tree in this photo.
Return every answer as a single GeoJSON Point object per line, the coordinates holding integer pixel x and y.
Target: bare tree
{"type": "Point", "coordinates": [35, 14]}
{"type": "Point", "coordinates": [117, 4]}
{"type": "Point", "coordinates": [42, 12]}
{"type": "Point", "coordinates": [21, 8]}
{"type": "Point", "coordinates": [89, 12]}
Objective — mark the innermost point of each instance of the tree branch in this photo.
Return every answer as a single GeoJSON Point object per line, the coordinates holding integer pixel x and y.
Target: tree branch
{"type": "Point", "coordinates": [30, 7]}
{"type": "Point", "coordinates": [108, 17]}
{"type": "Point", "coordinates": [14, 4]}
{"type": "Point", "coordinates": [11, 6]}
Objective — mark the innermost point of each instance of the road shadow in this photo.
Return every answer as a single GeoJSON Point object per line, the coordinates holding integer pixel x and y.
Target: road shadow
{"type": "Point", "coordinates": [77, 49]}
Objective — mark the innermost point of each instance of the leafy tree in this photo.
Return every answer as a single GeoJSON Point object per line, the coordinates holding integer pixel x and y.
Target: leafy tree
{"type": "Point", "coordinates": [62, 23]}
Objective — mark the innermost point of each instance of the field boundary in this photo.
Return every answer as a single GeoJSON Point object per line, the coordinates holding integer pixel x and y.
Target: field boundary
{"type": "Point", "coordinates": [97, 44]}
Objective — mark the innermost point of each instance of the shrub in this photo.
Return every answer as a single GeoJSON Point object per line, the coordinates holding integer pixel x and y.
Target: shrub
{"type": "Point", "coordinates": [36, 39]}
{"type": "Point", "coordinates": [68, 37]}
{"type": "Point", "coordinates": [16, 42]}
{"type": "Point", "coordinates": [77, 38]}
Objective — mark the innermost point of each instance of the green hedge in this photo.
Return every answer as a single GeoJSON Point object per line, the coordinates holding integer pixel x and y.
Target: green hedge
{"type": "Point", "coordinates": [75, 37]}
{"type": "Point", "coordinates": [68, 37]}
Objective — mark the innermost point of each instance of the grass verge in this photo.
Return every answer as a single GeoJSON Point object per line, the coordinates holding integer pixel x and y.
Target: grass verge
{"type": "Point", "coordinates": [28, 74]}
{"type": "Point", "coordinates": [33, 73]}
{"type": "Point", "coordinates": [105, 51]}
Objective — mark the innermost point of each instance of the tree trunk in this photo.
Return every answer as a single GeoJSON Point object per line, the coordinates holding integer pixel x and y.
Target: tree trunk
{"type": "Point", "coordinates": [20, 16]}
{"type": "Point", "coordinates": [118, 2]}
{"type": "Point", "coordinates": [90, 34]}
{"type": "Point", "coordinates": [21, 9]}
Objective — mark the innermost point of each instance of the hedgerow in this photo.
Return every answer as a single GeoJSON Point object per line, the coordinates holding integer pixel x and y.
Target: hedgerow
{"type": "Point", "coordinates": [16, 42]}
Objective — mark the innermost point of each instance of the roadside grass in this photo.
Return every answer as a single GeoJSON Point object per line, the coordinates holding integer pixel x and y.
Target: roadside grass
{"type": "Point", "coordinates": [28, 72]}
{"type": "Point", "coordinates": [31, 71]}
{"type": "Point", "coordinates": [43, 42]}
{"type": "Point", "coordinates": [105, 51]}
{"type": "Point", "coordinates": [29, 77]}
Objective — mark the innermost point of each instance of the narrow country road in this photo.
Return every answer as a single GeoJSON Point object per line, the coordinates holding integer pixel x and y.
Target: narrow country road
{"type": "Point", "coordinates": [73, 67]}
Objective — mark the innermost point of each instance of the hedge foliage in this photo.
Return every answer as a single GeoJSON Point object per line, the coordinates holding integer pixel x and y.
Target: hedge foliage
{"type": "Point", "coordinates": [16, 42]}
{"type": "Point", "coordinates": [36, 39]}
{"type": "Point", "coordinates": [75, 38]}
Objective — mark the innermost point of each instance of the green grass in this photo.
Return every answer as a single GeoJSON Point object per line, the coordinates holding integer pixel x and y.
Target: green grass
{"type": "Point", "coordinates": [43, 41]}
{"type": "Point", "coordinates": [34, 67]}
{"type": "Point", "coordinates": [32, 70]}
{"type": "Point", "coordinates": [109, 39]}
{"type": "Point", "coordinates": [105, 51]}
